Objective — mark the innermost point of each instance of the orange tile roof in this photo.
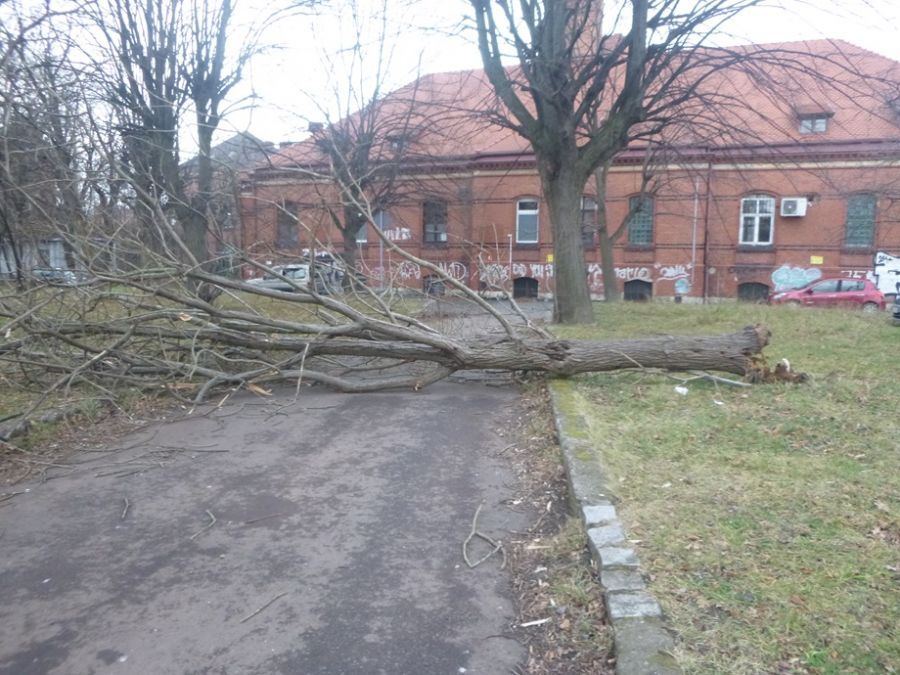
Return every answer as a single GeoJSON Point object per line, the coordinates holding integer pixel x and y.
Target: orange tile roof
{"type": "Point", "coordinates": [754, 101]}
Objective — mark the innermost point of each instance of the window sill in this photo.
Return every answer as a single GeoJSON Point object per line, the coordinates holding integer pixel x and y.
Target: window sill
{"type": "Point", "coordinates": [640, 247]}
{"type": "Point", "coordinates": [755, 248]}
{"type": "Point", "coordinates": [857, 250]}
{"type": "Point", "coordinates": [527, 245]}
{"type": "Point", "coordinates": [435, 244]}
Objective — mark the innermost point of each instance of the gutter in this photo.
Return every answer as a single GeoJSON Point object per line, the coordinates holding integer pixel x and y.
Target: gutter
{"type": "Point", "coordinates": [709, 171]}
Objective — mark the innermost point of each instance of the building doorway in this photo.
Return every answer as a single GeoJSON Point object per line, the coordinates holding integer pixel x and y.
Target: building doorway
{"type": "Point", "coordinates": [525, 287]}
{"type": "Point", "coordinates": [638, 290]}
{"type": "Point", "coordinates": [753, 292]}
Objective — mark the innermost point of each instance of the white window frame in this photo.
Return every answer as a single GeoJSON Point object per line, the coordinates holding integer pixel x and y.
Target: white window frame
{"type": "Point", "coordinates": [362, 234]}
{"type": "Point", "coordinates": [755, 215]}
{"type": "Point", "coordinates": [435, 233]}
{"type": "Point", "coordinates": [816, 123]}
{"type": "Point", "coordinates": [528, 212]}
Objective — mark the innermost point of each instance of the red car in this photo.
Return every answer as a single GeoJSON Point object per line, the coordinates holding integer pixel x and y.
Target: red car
{"type": "Point", "coordinates": [833, 292]}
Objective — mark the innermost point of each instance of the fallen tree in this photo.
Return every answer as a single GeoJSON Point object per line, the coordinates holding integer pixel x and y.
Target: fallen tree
{"type": "Point", "coordinates": [154, 334]}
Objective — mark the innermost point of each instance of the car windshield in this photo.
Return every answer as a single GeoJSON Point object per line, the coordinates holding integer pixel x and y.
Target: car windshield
{"type": "Point", "coordinates": [286, 272]}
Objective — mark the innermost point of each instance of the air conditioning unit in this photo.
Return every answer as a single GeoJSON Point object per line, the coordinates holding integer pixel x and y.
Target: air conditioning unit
{"type": "Point", "coordinates": [793, 207]}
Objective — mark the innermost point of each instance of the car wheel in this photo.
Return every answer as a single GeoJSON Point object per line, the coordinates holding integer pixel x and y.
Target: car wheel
{"type": "Point", "coordinates": [870, 307]}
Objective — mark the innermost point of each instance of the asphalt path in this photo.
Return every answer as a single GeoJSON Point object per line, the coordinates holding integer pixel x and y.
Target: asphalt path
{"type": "Point", "coordinates": [312, 535]}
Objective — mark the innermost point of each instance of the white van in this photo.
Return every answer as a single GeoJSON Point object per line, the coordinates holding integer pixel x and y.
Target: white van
{"type": "Point", "coordinates": [278, 281]}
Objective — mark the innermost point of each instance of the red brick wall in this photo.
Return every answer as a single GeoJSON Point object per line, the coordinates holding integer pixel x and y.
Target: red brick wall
{"type": "Point", "coordinates": [482, 216]}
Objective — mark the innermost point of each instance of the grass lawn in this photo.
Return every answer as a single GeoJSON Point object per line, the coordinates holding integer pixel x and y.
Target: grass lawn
{"type": "Point", "coordinates": [767, 519]}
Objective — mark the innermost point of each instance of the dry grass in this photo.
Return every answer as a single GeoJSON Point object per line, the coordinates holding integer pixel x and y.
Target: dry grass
{"type": "Point", "coordinates": [768, 519]}
{"type": "Point", "coordinates": [550, 565]}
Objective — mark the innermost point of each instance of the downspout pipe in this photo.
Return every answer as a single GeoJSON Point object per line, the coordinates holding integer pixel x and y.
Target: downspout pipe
{"type": "Point", "coordinates": [709, 170]}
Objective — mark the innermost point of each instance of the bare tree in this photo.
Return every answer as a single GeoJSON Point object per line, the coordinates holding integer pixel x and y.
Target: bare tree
{"type": "Point", "coordinates": [42, 163]}
{"type": "Point", "coordinates": [578, 96]}
{"type": "Point", "coordinates": [166, 60]}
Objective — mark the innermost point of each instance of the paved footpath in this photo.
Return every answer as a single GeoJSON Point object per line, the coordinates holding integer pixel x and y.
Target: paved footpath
{"type": "Point", "coordinates": [334, 549]}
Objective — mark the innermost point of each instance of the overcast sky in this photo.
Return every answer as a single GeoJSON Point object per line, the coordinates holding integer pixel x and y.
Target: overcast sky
{"type": "Point", "coordinates": [301, 79]}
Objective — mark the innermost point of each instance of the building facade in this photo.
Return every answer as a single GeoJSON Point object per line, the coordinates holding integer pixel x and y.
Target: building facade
{"type": "Point", "coordinates": [800, 187]}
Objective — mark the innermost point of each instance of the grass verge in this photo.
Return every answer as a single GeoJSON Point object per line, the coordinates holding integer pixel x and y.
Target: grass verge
{"type": "Point", "coordinates": [768, 519]}
{"type": "Point", "coordinates": [558, 598]}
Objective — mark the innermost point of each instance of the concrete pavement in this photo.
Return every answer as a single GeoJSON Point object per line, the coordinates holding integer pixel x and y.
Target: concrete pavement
{"type": "Point", "coordinates": [316, 537]}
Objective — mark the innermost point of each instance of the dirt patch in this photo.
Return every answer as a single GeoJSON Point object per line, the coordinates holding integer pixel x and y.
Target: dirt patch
{"type": "Point", "coordinates": [562, 620]}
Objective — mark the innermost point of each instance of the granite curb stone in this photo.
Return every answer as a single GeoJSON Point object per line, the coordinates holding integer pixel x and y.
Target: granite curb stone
{"type": "Point", "coordinates": [643, 646]}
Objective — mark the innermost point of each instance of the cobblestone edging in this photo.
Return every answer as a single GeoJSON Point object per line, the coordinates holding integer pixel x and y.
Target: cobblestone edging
{"type": "Point", "coordinates": [643, 646]}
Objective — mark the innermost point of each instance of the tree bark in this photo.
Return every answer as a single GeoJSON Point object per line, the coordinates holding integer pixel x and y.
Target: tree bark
{"type": "Point", "coordinates": [572, 298]}
{"type": "Point", "coordinates": [354, 221]}
{"type": "Point", "coordinates": [607, 239]}
{"type": "Point", "coordinates": [729, 353]}
{"type": "Point", "coordinates": [608, 264]}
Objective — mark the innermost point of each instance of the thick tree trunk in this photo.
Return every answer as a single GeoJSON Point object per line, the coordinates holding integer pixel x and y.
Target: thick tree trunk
{"type": "Point", "coordinates": [730, 353]}
{"type": "Point", "coordinates": [606, 238]}
{"type": "Point", "coordinates": [354, 220]}
{"type": "Point", "coordinates": [608, 264]}
{"type": "Point", "coordinates": [572, 297]}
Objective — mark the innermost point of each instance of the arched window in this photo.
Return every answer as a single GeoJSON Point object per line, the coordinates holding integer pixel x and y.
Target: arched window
{"type": "Point", "coordinates": [527, 221]}
{"type": "Point", "coordinates": [287, 234]}
{"type": "Point", "coordinates": [640, 222]}
{"type": "Point", "coordinates": [434, 218]}
{"type": "Point", "coordinates": [860, 226]}
{"type": "Point", "coordinates": [588, 221]}
{"type": "Point", "coordinates": [757, 220]}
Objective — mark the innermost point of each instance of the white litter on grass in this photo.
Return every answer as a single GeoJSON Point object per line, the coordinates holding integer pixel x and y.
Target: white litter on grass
{"type": "Point", "coordinates": [681, 390]}
{"type": "Point", "coordinates": [538, 622]}
{"type": "Point", "coordinates": [718, 402]}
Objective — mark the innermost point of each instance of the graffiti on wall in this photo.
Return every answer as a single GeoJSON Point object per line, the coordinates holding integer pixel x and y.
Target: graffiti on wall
{"type": "Point", "coordinates": [673, 272]}
{"type": "Point", "coordinates": [407, 270]}
{"type": "Point", "coordinates": [787, 277]}
{"type": "Point", "coordinates": [497, 274]}
{"type": "Point", "coordinates": [493, 274]}
{"type": "Point", "coordinates": [858, 274]}
{"type": "Point", "coordinates": [887, 272]}
{"type": "Point", "coordinates": [398, 234]}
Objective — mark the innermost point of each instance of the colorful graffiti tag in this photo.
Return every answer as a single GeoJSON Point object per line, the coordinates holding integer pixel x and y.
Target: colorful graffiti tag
{"type": "Point", "coordinates": [787, 277]}
{"type": "Point", "coordinates": [496, 274]}
{"type": "Point", "coordinates": [887, 272]}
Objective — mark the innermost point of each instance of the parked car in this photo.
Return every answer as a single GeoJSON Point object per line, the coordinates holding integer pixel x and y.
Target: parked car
{"type": "Point", "coordinates": [57, 276]}
{"type": "Point", "coordinates": [278, 281]}
{"type": "Point", "coordinates": [832, 293]}
{"type": "Point", "coordinates": [895, 310]}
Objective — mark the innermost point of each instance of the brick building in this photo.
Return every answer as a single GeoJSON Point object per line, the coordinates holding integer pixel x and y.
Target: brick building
{"type": "Point", "coordinates": [754, 190]}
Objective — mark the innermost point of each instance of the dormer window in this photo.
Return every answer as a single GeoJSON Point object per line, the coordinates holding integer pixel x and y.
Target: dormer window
{"type": "Point", "coordinates": [397, 143]}
{"type": "Point", "coordinates": [814, 123]}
